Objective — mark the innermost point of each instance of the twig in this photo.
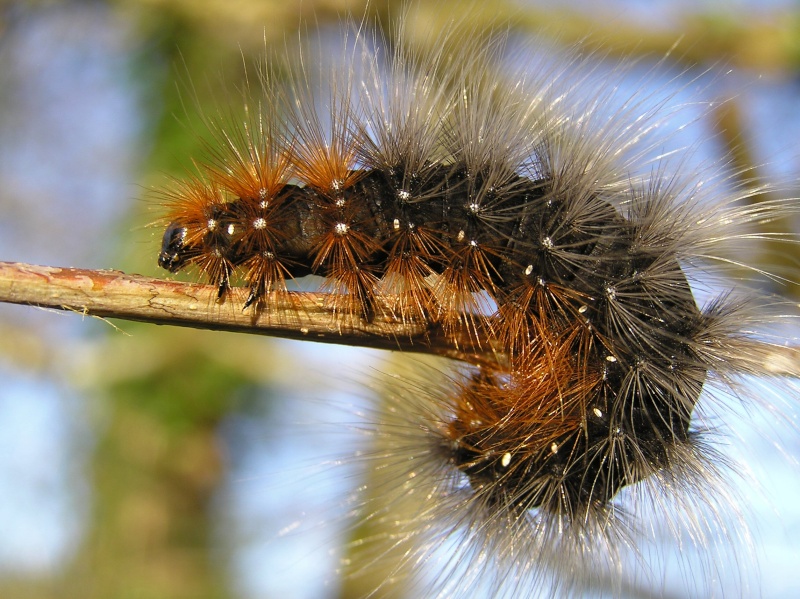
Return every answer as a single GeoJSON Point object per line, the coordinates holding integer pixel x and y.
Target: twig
{"type": "Point", "coordinates": [293, 315]}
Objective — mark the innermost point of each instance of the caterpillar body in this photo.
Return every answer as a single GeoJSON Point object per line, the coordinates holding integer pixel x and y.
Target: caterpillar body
{"type": "Point", "coordinates": [431, 182]}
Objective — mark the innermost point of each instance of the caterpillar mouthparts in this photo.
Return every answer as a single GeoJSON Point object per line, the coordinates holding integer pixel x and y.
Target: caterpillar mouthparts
{"type": "Point", "coordinates": [429, 181]}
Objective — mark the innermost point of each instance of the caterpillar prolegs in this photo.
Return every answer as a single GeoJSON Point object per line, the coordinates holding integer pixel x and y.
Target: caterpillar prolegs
{"type": "Point", "coordinates": [438, 187]}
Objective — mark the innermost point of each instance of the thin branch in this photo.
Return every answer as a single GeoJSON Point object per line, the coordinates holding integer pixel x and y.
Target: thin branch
{"type": "Point", "coordinates": [293, 315]}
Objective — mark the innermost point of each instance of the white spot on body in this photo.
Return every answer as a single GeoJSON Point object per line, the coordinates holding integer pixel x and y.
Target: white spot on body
{"type": "Point", "coordinates": [461, 235]}
{"type": "Point", "coordinates": [610, 359]}
{"type": "Point", "coordinates": [583, 309]}
{"type": "Point", "coordinates": [597, 412]}
{"type": "Point", "coordinates": [528, 270]}
{"type": "Point", "coordinates": [554, 447]}
{"type": "Point", "coordinates": [396, 224]}
{"type": "Point", "coordinates": [505, 460]}
{"type": "Point", "coordinates": [231, 229]}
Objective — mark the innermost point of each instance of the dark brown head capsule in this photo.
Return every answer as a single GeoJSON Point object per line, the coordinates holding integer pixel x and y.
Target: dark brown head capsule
{"type": "Point", "coordinates": [174, 253]}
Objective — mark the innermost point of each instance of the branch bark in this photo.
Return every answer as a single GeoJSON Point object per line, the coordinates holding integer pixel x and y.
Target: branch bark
{"type": "Point", "coordinates": [293, 315]}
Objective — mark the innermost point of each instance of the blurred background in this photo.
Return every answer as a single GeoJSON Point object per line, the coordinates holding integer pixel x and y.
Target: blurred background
{"type": "Point", "coordinates": [149, 462]}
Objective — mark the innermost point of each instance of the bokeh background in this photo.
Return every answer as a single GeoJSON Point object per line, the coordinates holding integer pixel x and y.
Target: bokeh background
{"type": "Point", "coordinates": [148, 462]}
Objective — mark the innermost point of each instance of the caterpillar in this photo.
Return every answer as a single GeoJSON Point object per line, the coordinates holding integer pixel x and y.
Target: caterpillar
{"type": "Point", "coordinates": [438, 186]}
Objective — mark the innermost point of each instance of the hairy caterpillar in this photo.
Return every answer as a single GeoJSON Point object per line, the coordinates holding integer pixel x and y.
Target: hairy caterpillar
{"type": "Point", "coordinates": [436, 186]}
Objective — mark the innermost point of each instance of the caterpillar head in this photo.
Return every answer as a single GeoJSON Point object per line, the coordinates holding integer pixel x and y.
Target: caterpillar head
{"type": "Point", "coordinates": [174, 253]}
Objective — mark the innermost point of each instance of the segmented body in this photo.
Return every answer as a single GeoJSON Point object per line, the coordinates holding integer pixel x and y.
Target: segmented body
{"type": "Point", "coordinates": [596, 404]}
